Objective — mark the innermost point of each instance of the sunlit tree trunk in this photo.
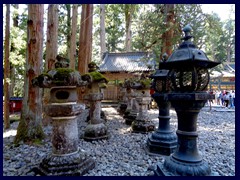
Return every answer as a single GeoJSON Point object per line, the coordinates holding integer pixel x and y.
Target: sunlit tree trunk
{"type": "Point", "coordinates": [6, 69]}
{"type": "Point", "coordinates": [129, 10]}
{"type": "Point", "coordinates": [15, 19]}
{"type": "Point", "coordinates": [52, 36]}
{"type": "Point", "coordinates": [168, 35]}
{"type": "Point", "coordinates": [30, 126]}
{"type": "Point", "coordinates": [85, 38]}
{"type": "Point", "coordinates": [72, 54]}
{"type": "Point", "coordinates": [68, 29]}
{"type": "Point", "coordinates": [102, 29]}
{"type": "Point", "coordinates": [51, 50]}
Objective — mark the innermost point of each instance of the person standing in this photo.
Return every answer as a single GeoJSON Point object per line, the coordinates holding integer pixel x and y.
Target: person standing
{"type": "Point", "coordinates": [233, 98]}
{"type": "Point", "coordinates": [218, 97]}
{"type": "Point", "coordinates": [226, 98]}
{"type": "Point", "coordinates": [222, 94]}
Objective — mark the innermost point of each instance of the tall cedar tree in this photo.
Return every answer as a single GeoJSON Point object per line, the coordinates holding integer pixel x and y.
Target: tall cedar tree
{"type": "Point", "coordinates": [15, 19]}
{"type": "Point", "coordinates": [102, 29]}
{"type": "Point", "coordinates": [6, 69]}
{"type": "Point", "coordinates": [129, 10]}
{"type": "Point", "coordinates": [168, 34]}
{"type": "Point", "coordinates": [85, 38]}
{"type": "Point", "coordinates": [30, 126]}
{"type": "Point", "coordinates": [72, 54]}
{"type": "Point", "coordinates": [52, 36]}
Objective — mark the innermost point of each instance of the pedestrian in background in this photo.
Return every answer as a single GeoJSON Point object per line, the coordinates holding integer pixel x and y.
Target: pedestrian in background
{"type": "Point", "coordinates": [218, 97]}
{"type": "Point", "coordinates": [226, 98]}
{"type": "Point", "coordinates": [233, 98]}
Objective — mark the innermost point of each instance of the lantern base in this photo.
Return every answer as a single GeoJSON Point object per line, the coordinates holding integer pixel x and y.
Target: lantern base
{"type": "Point", "coordinates": [161, 143]}
{"type": "Point", "coordinates": [95, 132]}
{"type": "Point", "coordinates": [130, 117]}
{"type": "Point", "coordinates": [122, 108]}
{"type": "Point", "coordinates": [142, 126]}
{"type": "Point", "coordinates": [174, 167]}
{"type": "Point", "coordinates": [75, 164]}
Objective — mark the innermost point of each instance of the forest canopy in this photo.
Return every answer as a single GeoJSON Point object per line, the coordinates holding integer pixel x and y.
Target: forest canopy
{"type": "Point", "coordinates": [125, 29]}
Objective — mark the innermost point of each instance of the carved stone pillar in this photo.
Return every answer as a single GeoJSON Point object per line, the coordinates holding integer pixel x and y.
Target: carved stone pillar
{"type": "Point", "coordinates": [66, 158]}
{"type": "Point", "coordinates": [142, 123]}
{"type": "Point", "coordinates": [96, 129]}
{"type": "Point", "coordinates": [132, 109]}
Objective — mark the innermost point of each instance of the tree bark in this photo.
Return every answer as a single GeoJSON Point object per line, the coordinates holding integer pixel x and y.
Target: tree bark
{"type": "Point", "coordinates": [73, 45]}
{"type": "Point", "coordinates": [52, 36]}
{"type": "Point", "coordinates": [102, 30]}
{"type": "Point", "coordinates": [7, 69]}
{"type": "Point", "coordinates": [68, 7]}
{"type": "Point", "coordinates": [12, 67]}
{"type": "Point", "coordinates": [30, 126]}
{"type": "Point", "coordinates": [168, 35]}
{"type": "Point", "coordinates": [85, 38]}
{"type": "Point", "coordinates": [129, 10]}
{"type": "Point", "coordinates": [51, 50]}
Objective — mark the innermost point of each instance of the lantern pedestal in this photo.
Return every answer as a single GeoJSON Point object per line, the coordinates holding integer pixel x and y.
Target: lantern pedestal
{"type": "Point", "coordinates": [96, 129]}
{"type": "Point", "coordinates": [132, 109]}
{"type": "Point", "coordinates": [142, 124]}
{"type": "Point", "coordinates": [162, 141]}
{"type": "Point", "coordinates": [123, 101]}
{"type": "Point", "coordinates": [66, 158]}
{"type": "Point", "coordinates": [186, 160]}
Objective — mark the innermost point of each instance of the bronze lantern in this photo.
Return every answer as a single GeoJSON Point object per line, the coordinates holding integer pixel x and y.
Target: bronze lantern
{"type": "Point", "coordinates": [189, 75]}
{"type": "Point", "coordinates": [163, 140]}
{"type": "Point", "coordinates": [189, 66]}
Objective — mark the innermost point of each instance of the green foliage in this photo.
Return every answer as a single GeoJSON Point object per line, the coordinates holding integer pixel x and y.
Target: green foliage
{"type": "Point", "coordinates": [149, 29]}
{"type": "Point", "coordinates": [192, 14]}
{"type": "Point", "coordinates": [215, 37]}
{"type": "Point", "coordinates": [220, 40]}
{"type": "Point", "coordinates": [114, 27]}
{"type": "Point", "coordinates": [17, 56]}
{"type": "Point", "coordinates": [146, 82]}
{"type": "Point", "coordinates": [64, 28]}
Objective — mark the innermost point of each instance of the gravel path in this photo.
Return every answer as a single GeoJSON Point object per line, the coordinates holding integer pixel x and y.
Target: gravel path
{"type": "Point", "coordinates": [123, 153]}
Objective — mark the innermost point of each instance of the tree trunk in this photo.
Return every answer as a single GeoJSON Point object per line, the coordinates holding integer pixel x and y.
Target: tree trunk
{"type": "Point", "coordinates": [72, 54]}
{"type": "Point", "coordinates": [16, 17]}
{"type": "Point", "coordinates": [30, 126]}
{"type": "Point", "coordinates": [129, 10]}
{"type": "Point", "coordinates": [68, 7]}
{"type": "Point", "coordinates": [51, 50]}
{"type": "Point", "coordinates": [102, 30]}
{"type": "Point", "coordinates": [168, 35]}
{"type": "Point", "coordinates": [85, 38]}
{"type": "Point", "coordinates": [7, 69]}
{"type": "Point", "coordinates": [12, 67]}
{"type": "Point", "coordinates": [12, 77]}
{"type": "Point", "coordinates": [52, 36]}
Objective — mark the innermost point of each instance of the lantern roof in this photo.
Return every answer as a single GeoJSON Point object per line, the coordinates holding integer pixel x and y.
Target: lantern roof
{"type": "Point", "coordinates": [187, 55]}
{"type": "Point", "coordinates": [160, 74]}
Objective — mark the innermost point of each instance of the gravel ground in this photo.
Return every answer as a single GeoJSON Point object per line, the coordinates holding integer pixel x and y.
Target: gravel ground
{"type": "Point", "coordinates": [123, 154]}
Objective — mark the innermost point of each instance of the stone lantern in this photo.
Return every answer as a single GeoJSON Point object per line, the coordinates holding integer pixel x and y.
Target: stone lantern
{"type": "Point", "coordinates": [132, 108]}
{"type": "Point", "coordinates": [190, 77]}
{"type": "Point", "coordinates": [96, 129]}
{"type": "Point", "coordinates": [122, 105]}
{"type": "Point", "coordinates": [163, 140]}
{"type": "Point", "coordinates": [66, 158]}
{"type": "Point", "coordinates": [142, 123]}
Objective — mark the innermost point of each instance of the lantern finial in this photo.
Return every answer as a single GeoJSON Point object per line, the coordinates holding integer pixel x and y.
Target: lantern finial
{"type": "Point", "coordinates": [187, 29]}
{"type": "Point", "coordinates": [164, 57]}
